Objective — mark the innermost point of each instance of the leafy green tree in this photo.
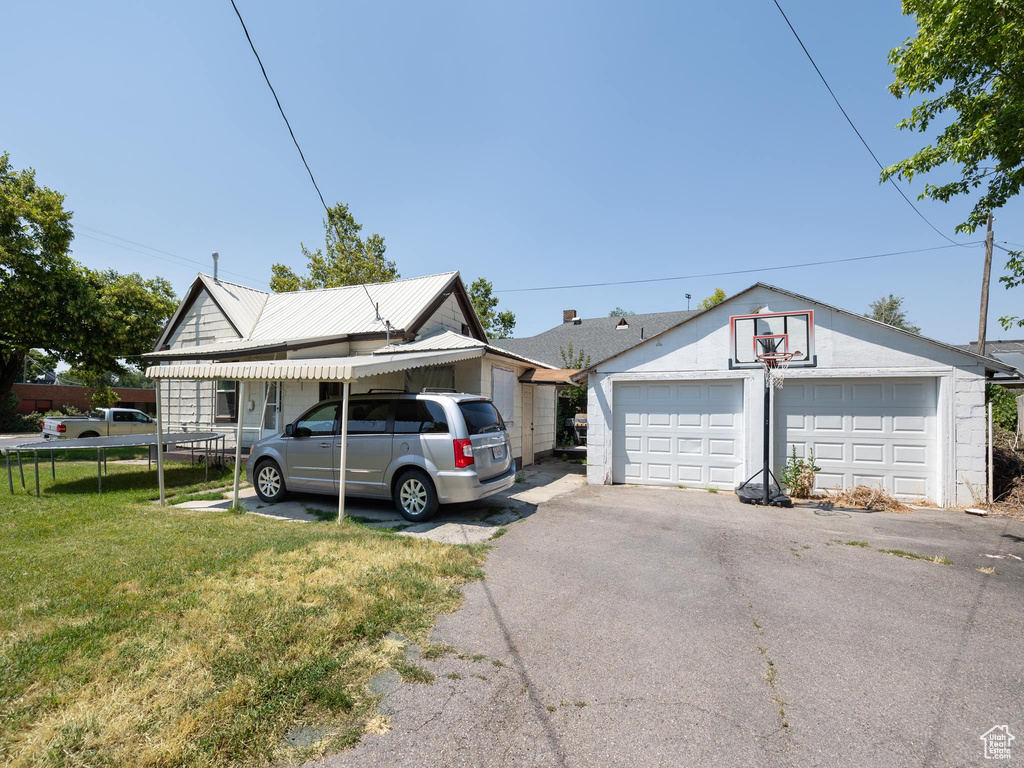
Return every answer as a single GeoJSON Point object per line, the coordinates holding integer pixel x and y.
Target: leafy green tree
{"type": "Point", "coordinates": [1004, 406]}
{"type": "Point", "coordinates": [345, 259]}
{"type": "Point", "coordinates": [49, 302]}
{"type": "Point", "coordinates": [104, 397]}
{"type": "Point", "coordinates": [715, 298]}
{"type": "Point", "coordinates": [572, 398]}
{"type": "Point", "coordinates": [620, 312]}
{"type": "Point", "coordinates": [498, 325]}
{"type": "Point", "coordinates": [889, 310]}
{"type": "Point", "coordinates": [38, 363]}
{"type": "Point", "coordinates": [966, 62]}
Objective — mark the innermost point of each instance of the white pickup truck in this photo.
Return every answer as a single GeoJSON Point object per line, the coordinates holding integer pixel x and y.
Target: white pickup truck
{"type": "Point", "coordinates": [102, 422]}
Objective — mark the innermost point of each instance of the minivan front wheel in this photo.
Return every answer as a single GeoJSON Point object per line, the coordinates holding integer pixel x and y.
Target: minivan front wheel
{"type": "Point", "coordinates": [270, 482]}
{"type": "Point", "coordinates": [415, 497]}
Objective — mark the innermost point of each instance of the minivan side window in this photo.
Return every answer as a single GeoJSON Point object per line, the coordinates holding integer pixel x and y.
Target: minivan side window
{"type": "Point", "coordinates": [422, 417]}
{"type": "Point", "coordinates": [481, 416]}
{"type": "Point", "coordinates": [319, 421]}
{"type": "Point", "coordinates": [368, 417]}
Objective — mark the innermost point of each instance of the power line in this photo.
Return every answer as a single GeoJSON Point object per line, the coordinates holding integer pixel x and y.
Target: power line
{"type": "Point", "coordinates": [279, 107]}
{"type": "Point", "coordinates": [145, 253]}
{"type": "Point", "coordinates": [859, 136]}
{"type": "Point", "coordinates": [740, 271]}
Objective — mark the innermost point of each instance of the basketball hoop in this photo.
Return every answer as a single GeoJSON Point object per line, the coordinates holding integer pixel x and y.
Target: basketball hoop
{"type": "Point", "coordinates": [775, 366]}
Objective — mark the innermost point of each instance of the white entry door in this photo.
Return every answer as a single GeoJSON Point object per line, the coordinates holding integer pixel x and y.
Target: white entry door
{"type": "Point", "coordinates": [877, 432]}
{"type": "Point", "coordinates": [678, 433]}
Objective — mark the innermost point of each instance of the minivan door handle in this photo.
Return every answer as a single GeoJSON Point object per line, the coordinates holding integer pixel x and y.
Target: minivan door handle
{"type": "Point", "coordinates": [325, 445]}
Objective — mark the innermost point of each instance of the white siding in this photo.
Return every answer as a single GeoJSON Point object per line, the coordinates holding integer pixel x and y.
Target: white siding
{"type": "Point", "coordinates": [449, 315]}
{"type": "Point", "coordinates": [191, 403]}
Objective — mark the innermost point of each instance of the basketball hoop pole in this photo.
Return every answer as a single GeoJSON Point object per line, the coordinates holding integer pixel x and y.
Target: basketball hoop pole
{"type": "Point", "coordinates": [765, 472]}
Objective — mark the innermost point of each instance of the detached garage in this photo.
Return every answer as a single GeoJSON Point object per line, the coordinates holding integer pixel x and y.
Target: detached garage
{"type": "Point", "coordinates": [876, 405]}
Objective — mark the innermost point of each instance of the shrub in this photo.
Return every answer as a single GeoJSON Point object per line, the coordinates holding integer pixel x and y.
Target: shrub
{"type": "Point", "coordinates": [1004, 406]}
{"type": "Point", "coordinates": [12, 421]}
{"type": "Point", "coordinates": [798, 475]}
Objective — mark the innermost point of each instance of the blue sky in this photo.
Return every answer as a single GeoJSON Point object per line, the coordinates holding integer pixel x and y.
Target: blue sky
{"type": "Point", "coordinates": [535, 144]}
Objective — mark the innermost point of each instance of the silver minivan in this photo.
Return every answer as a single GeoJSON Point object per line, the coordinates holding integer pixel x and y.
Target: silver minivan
{"type": "Point", "coordinates": [421, 450]}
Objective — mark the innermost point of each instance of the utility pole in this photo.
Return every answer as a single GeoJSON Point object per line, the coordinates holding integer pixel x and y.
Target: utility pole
{"type": "Point", "coordinates": [985, 277]}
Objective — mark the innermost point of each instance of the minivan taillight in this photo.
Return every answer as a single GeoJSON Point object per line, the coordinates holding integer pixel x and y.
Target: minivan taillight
{"type": "Point", "coordinates": [463, 452]}
{"type": "Point", "coordinates": [62, 427]}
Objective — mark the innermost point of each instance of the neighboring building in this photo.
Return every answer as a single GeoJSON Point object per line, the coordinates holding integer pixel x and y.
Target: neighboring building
{"type": "Point", "coordinates": [1009, 351]}
{"type": "Point", "coordinates": [882, 407]}
{"type": "Point", "coordinates": [597, 337]}
{"type": "Point", "coordinates": [222, 321]}
{"type": "Point", "coordinates": [40, 398]}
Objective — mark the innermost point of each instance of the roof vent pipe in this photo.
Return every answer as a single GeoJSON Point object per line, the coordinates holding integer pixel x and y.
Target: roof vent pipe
{"type": "Point", "coordinates": [216, 257]}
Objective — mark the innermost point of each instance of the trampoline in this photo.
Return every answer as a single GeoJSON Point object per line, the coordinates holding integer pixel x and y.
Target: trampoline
{"type": "Point", "coordinates": [209, 441]}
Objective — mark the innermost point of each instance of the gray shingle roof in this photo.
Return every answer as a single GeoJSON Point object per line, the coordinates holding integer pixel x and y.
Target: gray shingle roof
{"type": "Point", "coordinates": [1009, 351]}
{"type": "Point", "coordinates": [597, 337]}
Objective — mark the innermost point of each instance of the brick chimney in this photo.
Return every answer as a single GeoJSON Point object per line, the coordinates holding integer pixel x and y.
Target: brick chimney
{"type": "Point", "coordinates": [568, 315]}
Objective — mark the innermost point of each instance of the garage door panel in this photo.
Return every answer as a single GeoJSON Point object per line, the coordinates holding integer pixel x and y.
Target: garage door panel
{"type": "Point", "coordinates": [829, 451]}
{"type": "Point", "coordinates": [869, 452]}
{"type": "Point", "coordinates": [690, 446]}
{"type": "Point", "coordinates": [684, 432]}
{"type": "Point", "coordinates": [881, 433]}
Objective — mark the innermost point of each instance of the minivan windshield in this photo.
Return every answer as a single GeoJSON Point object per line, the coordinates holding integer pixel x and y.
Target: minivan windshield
{"type": "Point", "coordinates": [481, 416]}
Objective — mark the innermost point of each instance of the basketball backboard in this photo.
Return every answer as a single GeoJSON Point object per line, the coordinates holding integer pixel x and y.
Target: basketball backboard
{"type": "Point", "coordinates": [772, 332]}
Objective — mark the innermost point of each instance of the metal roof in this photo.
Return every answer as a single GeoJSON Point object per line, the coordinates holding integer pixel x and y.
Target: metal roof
{"type": "Point", "coordinates": [348, 309]}
{"type": "Point", "coordinates": [448, 339]}
{"type": "Point", "coordinates": [234, 347]}
{"type": "Point", "coordinates": [241, 303]}
{"type": "Point", "coordinates": [442, 340]}
{"type": "Point", "coordinates": [315, 369]}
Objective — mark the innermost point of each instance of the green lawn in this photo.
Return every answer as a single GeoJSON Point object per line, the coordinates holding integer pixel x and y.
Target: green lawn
{"type": "Point", "coordinates": [137, 635]}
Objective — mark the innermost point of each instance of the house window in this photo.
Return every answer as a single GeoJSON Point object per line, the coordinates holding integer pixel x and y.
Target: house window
{"type": "Point", "coordinates": [465, 330]}
{"type": "Point", "coordinates": [435, 376]}
{"type": "Point", "coordinates": [227, 401]}
{"type": "Point", "coordinates": [329, 389]}
{"type": "Point", "coordinates": [503, 393]}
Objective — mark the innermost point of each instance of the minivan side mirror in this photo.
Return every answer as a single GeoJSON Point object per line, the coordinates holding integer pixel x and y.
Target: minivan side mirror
{"type": "Point", "coordinates": [289, 430]}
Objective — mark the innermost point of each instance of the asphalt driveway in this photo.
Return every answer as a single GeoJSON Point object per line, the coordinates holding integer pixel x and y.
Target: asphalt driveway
{"type": "Point", "coordinates": [632, 626]}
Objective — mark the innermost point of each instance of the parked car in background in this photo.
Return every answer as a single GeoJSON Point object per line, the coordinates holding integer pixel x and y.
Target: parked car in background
{"type": "Point", "coordinates": [420, 450]}
{"type": "Point", "coordinates": [102, 422]}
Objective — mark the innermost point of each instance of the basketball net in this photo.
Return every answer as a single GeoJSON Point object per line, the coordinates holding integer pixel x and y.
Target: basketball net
{"type": "Point", "coordinates": [775, 365]}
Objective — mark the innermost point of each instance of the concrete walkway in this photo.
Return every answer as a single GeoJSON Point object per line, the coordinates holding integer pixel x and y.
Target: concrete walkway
{"type": "Point", "coordinates": [467, 523]}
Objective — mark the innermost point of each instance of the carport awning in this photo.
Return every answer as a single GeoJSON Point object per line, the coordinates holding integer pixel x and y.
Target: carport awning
{"type": "Point", "coordinates": [314, 369]}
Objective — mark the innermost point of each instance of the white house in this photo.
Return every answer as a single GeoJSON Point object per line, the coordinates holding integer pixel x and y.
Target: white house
{"type": "Point", "coordinates": [222, 321]}
{"type": "Point", "coordinates": [881, 407]}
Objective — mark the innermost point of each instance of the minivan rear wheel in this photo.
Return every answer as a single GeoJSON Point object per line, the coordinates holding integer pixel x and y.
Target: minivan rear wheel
{"type": "Point", "coordinates": [415, 496]}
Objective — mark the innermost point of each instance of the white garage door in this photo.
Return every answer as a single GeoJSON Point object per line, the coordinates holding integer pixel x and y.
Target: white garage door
{"type": "Point", "coordinates": [678, 432]}
{"type": "Point", "coordinates": [878, 432]}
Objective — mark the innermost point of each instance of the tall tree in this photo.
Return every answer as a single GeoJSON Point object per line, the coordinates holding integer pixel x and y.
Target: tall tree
{"type": "Point", "coordinates": [498, 325]}
{"type": "Point", "coordinates": [889, 310]}
{"type": "Point", "coordinates": [620, 312]}
{"type": "Point", "coordinates": [966, 61]}
{"type": "Point", "coordinates": [345, 259]}
{"type": "Point", "coordinates": [715, 298]}
{"type": "Point", "coordinates": [50, 302]}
